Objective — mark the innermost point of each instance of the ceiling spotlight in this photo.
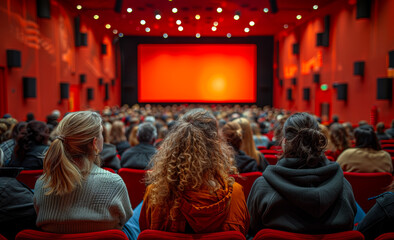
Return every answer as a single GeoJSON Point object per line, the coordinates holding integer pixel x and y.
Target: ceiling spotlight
{"type": "Point", "coordinates": [115, 31]}
{"type": "Point", "coordinates": [246, 29]}
{"type": "Point", "coordinates": [299, 17]}
{"type": "Point", "coordinates": [198, 35]}
{"type": "Point", "coordinates": [266, 10]}
{"type": "Point", "coordinates": [315, 7]}
{"type": "Point", "coordinates": [158, 16]}
{"type": "Point", "coordinates": [180, 28]}
{"type": "Point", "coordinates": [215, 23]}
{"type": "Point", "coordinates": [174, 10]}
{"type": "Point", "coordinates": [142, 22]}
{"type": "Point", "coordinates": [79, 7]}
{"type": "Point", "coordinates": [236, 17]}
{"type": "Point", "coordinates": [129, 10]}
{"type": "Point", "coordinates": [147, 29]}
{"type": "Point", "coordinates": [285, 26]}
{"type": "Point", "coordinates": [251, 23]}
{"type": "Point", "coordinates": [228, 35]}
{"type": "Point", "coordinates": [96, 16]}
{"type": "Point", "coordinates": [178, 22]}
{"type": "Point", "coordinates": [219, 10]}
{"type": "Point", "coordinates": [214, 28]}
{"type": "Point", "coordinates": [107, 26]}
{"type": "Point", "coordinates": [197, 17]}
{"type": "Point", "coordinates": [165, 35]}
{"type": "Point", "coordinates": [120, 34]}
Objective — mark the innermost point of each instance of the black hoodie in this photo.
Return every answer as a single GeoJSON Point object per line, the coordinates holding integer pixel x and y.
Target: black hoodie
{"type": "Point", "coordinates": [304, 200]}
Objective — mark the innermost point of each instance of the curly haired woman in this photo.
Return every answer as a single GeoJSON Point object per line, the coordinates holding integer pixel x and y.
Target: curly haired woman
{"type": "Point", "coordinates": [191, 190]}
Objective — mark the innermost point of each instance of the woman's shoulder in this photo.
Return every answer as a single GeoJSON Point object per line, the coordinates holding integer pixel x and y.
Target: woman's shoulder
{"type": "Point", "coordinates": [103, 176]}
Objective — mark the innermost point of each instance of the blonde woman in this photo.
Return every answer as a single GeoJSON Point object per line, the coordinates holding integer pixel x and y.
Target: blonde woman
{"type": "Point", "coordinates": [191, 190]}
{"type": "Point", "coordinates": [74, 195]}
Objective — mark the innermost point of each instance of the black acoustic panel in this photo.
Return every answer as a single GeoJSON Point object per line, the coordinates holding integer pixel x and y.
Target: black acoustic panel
{"type": "Point", "coordinates": [363, 9]}
{"type": "Point", "coordinates": [90, 93]}
{"type": "Point", "coordinates": [319, 39]}
{"type": "Point", "coordinates": [326, 39]}
{"type": "Point", "coordinates": [118, 6]}
{"type": "Point", "coordinates": [359, 68]}
{"type": "Point", "coordinates": [281, 82]}
{"type": "Point", "coordinates": [274, 6]}
{"type": "Point", "coordinates": [84, 39]}
{"type": "Point", "coordinates": [13, 58]}
{"type": "Point", "coordinates": [289, 94]}
{"type": "Point", "coordinates": [391, 59]}
{"type": "Point", "coordinates": [77, 33]}
{"type": "Point", "coordinates": [82, 78]}
{"type": "Point", "coordinates": [385, 89]}
{"type": "Point", "coordinates": [103, 49]}
{"type": "Point", "coordinates": [341, 91]}
{"type": "Point", "coordinates": [306, 94]}
{"type": "Point", "coordinates": [294, 81]}
{"type": "Point", "coordinates": [44, 8]}
{"type": "Point", "coordinates": [29, 87]}
{"type": "Point", "coordinates": [101, 81]}
{"type": "Point", "coordinates": [106, 91]}
{"type": "Point", "coordinates": [64, 90]}
{"type": "Point", "coordinates": [316, 78]}
{"type": "Point", "coordinates": [296, 48]}
{"type": "Point", "coordinates": [113, 82]}
{"type": "Point", "coordinates": [327, 23]}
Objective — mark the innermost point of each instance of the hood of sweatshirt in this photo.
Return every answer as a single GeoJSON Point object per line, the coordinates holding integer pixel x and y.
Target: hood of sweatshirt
{"type": "Point", "coordinates": [314, 190]}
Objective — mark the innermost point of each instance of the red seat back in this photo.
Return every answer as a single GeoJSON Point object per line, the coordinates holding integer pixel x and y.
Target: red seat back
{"type": "Point", "coordinates": [261, 148]}
{"type": "Point", "coordinates": [388, 146]}
{"type": "Point", "coordinates": [390, 151]}
{"type": "Point", "coordinates": [109, 169]}
{"type": "Point", "coordinates": [366, 185]}
{"type": "Point", "coordinates": [272, 159]}
{"type": "Point", "coordinates": [2, 237]}
{"type": "Point", "coordinates": [272, 234]}
{"type": "Point", "coordinates": [102, 235]}
{"type": "Point", "coordinates": [155, 234]}
{"type": "Point", "coordinates": [389, 141]}
{"type": "Point", "coordinates": [247, 180]}
{"type": "Point", "coordinates": [386, 236]}
{"type": "Point", "coordinates": [134, 180]}
{"type": "Point", "coordinates": [29, 177]}
{"type": "Point", "coordinates": [269, 151]}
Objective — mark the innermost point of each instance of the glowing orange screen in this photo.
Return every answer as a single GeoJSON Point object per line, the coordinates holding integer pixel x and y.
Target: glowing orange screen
{"type": "Point", "coordinates": [197, 73]}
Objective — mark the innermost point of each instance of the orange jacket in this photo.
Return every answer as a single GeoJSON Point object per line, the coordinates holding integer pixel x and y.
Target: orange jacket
{"type": "Point", "coordinates": [202, 211]}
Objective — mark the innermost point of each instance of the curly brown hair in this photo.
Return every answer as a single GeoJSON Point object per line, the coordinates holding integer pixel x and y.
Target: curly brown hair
{"type": "Point", "coordinates": [192, 156]}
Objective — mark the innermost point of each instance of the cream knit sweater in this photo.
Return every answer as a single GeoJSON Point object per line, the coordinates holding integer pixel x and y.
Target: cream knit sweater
{"type": "Point", "coordinates": [101, 203]}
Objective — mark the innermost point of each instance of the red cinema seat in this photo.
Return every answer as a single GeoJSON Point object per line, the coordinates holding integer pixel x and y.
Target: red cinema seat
{"type": "Point", "coordinates": [388, 146]}
{"type": "Point", "coordinates": [29, 177]}
{"type": "Point", "coordinates": [155, 234]}
{"type": "Point", "coordinates": [2, 237]}
{"type": "Point", "coordinates": [261, 148]}
{"type": "Point", "coordinates": [272, 159]}
{"type": "Point", "coordinates": [386, 236]}
{"type": "Point", "coordinates": [390, 151]}
{"type": "Point", "coordinates": [366, 185]}
{"type": "Point", "coordinates": [271, 234]}
{"type": "Point", "coordinates": [389, 141]}
{"type": "Point", "coordinates": [269, 152]}
{"type": "Point", "coordinates": [109, 169]}
{"type": "Point", "coordinates": [247, 180]}
{"type": "Point", "coordinates": [134, 180]}
{"type": "Point", "coordinates": [101, 235]}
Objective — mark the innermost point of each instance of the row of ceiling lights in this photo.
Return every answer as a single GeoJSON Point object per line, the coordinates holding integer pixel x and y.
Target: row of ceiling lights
{"type": "Point", "coordinates": [197, 17]}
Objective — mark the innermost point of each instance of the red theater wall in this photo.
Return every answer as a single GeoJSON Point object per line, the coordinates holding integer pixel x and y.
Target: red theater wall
{"type": "Point", "coordinates": [49, 54]}
{"type": "Point", "coordinates": [350, 40]}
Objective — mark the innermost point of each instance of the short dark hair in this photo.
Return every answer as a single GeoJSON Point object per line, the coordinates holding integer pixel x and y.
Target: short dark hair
{"type": "Point", "coordinates": [366, 137]}
{"type": "Point", "coordinates": [146, 132]}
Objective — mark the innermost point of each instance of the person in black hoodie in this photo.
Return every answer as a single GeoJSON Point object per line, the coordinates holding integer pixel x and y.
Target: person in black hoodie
{"type": "Point", "coordinates": [304, 192]}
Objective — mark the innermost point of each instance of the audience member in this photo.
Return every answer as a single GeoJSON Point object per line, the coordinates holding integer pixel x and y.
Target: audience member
{"type": "Point", "coordinates": [390, 131]}
{"type": "Point", "coordinates": [9, 145]}
{"type": "Point", "coordinates": [133, 139]}
{"type": "Point", "coordinates": [349, 129]}
{"type": "Point", "coordinates": [139, 156]}
{"type": "Point", "coordinates": [109, 155]}
{"type": "Point", "coordinates": [74, 195]}
{"type": "Point", "coordinates": [190, 188]}
{"type": "Point", "coordinates": [259, 140]}
{"type": "Point", "coordinates": [380, 134]}
{"type": "Point", "coordinates": [367, 156]}
{"type": "Point", "coordinates": [303, 192]}
{"type": "Point", "coordinates": [30, 117]}
{"type": "Point", "coordinates": [31, 146]}
{"type": "Point", "coordinates": [338, 140]}
{"type": "Point", "coordinates": [117, 137]}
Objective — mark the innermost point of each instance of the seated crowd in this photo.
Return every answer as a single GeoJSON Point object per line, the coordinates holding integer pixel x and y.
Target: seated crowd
{"type": "Point", "coordinates": [192, 153]}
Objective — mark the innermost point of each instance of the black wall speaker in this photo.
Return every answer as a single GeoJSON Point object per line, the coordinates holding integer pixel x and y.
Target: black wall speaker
{"type": "Point", "coordinates": [90, 93]}
{"type": "Point", "coordinates": [113, 82]}
{"type": "Point", "coordinates": [391, 59]}
{"type": "Point", "coordinates": [84, 39]}
{"type": "Point", "coordinates": [359, 68]}
{"type": "Point", "coordinates": [101, 81]}
{"type": "Point", "coordinates": [319, 39]}
{"type": "Point", "coordinates": [106, 91]}
{"type": "Point", "coordinates": [316, 78]}
{"type": "Point", "coordinates": [341, 91]}
{"type": "Point", "coordinates": [281, 82]}
{"type": "Point", "coordinates": [326, 39]}
{"type": "Point", "coordinates": [289, 94]}
{"type": "Point", "coordinates": [77, 33]}
{"type": "Point", "coordinates": [103, 48]}
{"type": "Point", "coordinates": [296, 48]}
{"type": "Point", "coordinates": [82, 78]}
{"type": "Point", "coordinates": [274, 6]}
{"type": "Point", "coordinates": [327, 23]}
{"type": "Point", "coordinates": [385, 89]}
{"type": "Point", "coordinates": [118, 6]}
{"type": "Point", "coordinates": [44, 8]}
{"type": "Point", "coordinates": [13, 58]}
{"type": "Point", "coordinates": [294, 81]}
{"type": "Point", "coordinates": [363, 9]}
{"type": "Point", "coordinates": [29, 87]}
{"type": "Point", "coordinates": [306, 94]}
{"type": "Point", "coordinates": [64, 90]}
